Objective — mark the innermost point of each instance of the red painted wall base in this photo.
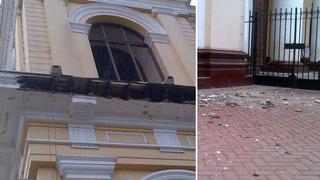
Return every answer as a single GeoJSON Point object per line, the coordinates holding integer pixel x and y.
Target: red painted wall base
{"type": "Point", "coordinates": [218, 68]}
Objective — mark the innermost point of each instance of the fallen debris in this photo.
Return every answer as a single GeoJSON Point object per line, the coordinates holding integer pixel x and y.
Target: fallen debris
{"type": "Point", "coordinates": [232, 104]}
{"type": "Point", "coordinates": [213, 115]}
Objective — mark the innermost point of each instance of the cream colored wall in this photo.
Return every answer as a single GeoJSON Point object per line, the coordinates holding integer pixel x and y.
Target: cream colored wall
{"type": "Point", "coordinates": [119, 174]}
{"type": "Point", "coordinates": [135, 161]}
{"type": "Point", "coordinates": [37, 49]}
{"type": "Point", "coordinates": [227, 25]}
{"type": "Point", "coordinates": [47, 174]}
{"type": "Point", "coordinates": [48, 40]}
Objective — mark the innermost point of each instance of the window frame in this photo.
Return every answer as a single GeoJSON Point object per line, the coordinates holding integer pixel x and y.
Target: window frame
{"type": "Point", "coordinates": [107, 41]}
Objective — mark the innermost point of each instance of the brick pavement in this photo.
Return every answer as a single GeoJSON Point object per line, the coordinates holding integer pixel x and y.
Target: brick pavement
{"type": "Point", "coordinates": [256, 143]}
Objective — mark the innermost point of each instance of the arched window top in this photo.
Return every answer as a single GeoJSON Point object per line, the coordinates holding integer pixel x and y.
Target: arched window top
{"type": "Point", "coordinates": [115, 32]}
{"type": "Point", "coordinates": [121, 54]}
{"type": "Point", "coordinates": [174, 174]}
{"type": "Point", "coordinates": [80, 16]}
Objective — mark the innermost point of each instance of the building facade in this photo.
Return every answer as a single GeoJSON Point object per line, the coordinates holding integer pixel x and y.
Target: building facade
{"type": "Point", "coordinates": [7, 19]}
{"type": "Point", "coordinates": [103, 89]}
{"type": "Point", "coordinates": [265, 41]}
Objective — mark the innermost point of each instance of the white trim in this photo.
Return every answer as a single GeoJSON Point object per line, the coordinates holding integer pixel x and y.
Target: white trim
{"type": "Point", "coordinates": [173, 174]}
{"type": "Point", "coordinates": [104, 144]}
{"type": "Point", "coordinates": [82, 107]}
{"type": "Point", "coordinates": [86, 167]}
{"type": "Point", "coordinates": [80, 27]}
{"type": "Point", "coordinates": [33, 116]}
{"type": "Point", "coordinates": [79, 16]}
{"type": "Point", "coordinates": [156, 37]}
{"type": "Point", "coordinates": [167, 138]}
{"type": "Point", "coordinates": [170, 7]}
{"type": "Point", "coordinates": [82, 133]}
{"type": "Point", "coordinates": [109, 133]}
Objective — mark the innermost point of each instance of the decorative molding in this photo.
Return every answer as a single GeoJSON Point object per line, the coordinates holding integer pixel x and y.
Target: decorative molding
{"type": "Point", "coordinates": [4, 158]}
{"type": "Point", "coordinates": [155, 37]}
{"type": "Point", "coordinates": [86, 167]}
{"type": "Point", "coordinates": [167, 140]}
{"type": "Point", "coordinates": [158, 10]}
{"type": "Point", "coordinates": [171, 174]}
{"type": "Point", "coordinates": [32, 116]}
{"type": "Point", "coordinates": [82, 107]}
{"type": "Point", "coordinates": [80, 27]}
{"type": "Point", "coordinates": [82, 133]}
{"type": "Point", "coordinates": [79, 15]}
{"type": "Point", "coordinates": [143, 137]}
{"type": "Point", "coordinates": [169, 7]}
{"type": "Point", "coordinates": [105, 144]}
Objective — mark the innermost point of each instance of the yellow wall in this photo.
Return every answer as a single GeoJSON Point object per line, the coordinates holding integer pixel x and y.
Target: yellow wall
{"type": "Point", "coordinates": [137, 162]}
{"type": "Point", "coordinates": [47, 39]}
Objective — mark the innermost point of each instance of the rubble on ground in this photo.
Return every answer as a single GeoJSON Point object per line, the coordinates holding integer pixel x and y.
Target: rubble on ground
{"type": "Point", "coordinates": [255, 96]}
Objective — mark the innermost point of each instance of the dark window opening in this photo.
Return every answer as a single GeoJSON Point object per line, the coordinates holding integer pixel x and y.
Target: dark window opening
{"type": "Point", "coordinates": [120, 54]}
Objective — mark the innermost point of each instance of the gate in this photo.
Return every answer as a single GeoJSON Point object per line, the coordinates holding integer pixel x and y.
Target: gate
{"type": "Point", "coordinates": [284, 48]}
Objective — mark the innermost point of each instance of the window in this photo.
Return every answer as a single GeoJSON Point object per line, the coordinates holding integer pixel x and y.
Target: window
{"type": "Point", "coordinates": [126, 137]}
{"type": "Point", "coordinates": [167, 140]}
{"type": "Point", "coordinates": [120, 54]}
{"type": "Point", "coordinates": [82, 134]}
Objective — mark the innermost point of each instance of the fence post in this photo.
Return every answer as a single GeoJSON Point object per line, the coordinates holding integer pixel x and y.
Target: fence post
{"type": "Point", "coordinates": [254, 41]}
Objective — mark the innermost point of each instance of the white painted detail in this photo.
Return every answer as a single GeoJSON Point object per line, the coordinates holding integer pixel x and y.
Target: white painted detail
{"type": "Point", "coordinates": [149, 5]}
{"type": "Point", "coordinates": [142, 136]}
{"type": "Point", "coordinates": [82, 133]}
{"type": "Point", "coordinates": [201, 23]}
{"type": "Point", "coordinates": [82, 107]}
{"type": "Point", "coordinates": [86, 167]}
{"type": "Point", "coordinates": [4, 158]}
{"type": "Point", "coordinates": [155, 37]}
{"type": "Point", "coordinates": [167, 140]}
{"type": "Point", "coordinates": [156, 33]}
{"type": "Point", "coordinates": [80, 27]}
{"type": "Point", "coordinates": [174, 174]}
{"type": "Point", "coordinates": [105, 144]}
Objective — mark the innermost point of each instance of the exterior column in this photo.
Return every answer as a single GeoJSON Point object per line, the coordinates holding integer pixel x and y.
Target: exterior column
{"type": "Point", "coordinates": [201, 23]}
{"type": "Point", "coordinates": [86, 167]}
{"type": "Point", "coordinates": [208, 24]}
{"type": "Point", "coordinates": [60, 38]}
{"type": "Point", "coordinates": [183, 47]}
{"type": "Point", "coordinates": [315, 36]}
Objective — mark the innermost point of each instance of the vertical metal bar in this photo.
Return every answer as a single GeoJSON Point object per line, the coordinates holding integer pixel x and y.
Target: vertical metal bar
{"type": "Point", "coordinates": [132, 55]}
{"type": "Point", "coordinates": [285, 38]}
{"type": "Point", "coordinates": [249, 43]}
{"type": "Point", "coordinates": [249, 31]}
{"type": "Point", "coordinates": [290, 40]}
{"type": "Point", "coordinates": [274, 37]}
{"type": "Point", "coordinates": [316, 41]}
{"type": "Point", "coordinates": [254, 40]}
{"type": "Point", "coordinates": [269, 17]}
{"type": "Point", "coordinates": [279, 44]}
{"type": "Point", "coordinates": [295, 41]}
{"type": "Point", "coordinates": [110, 54]}
{"type": "Point", "coordinates": [300, 32]}
{"type": "Point", "coordinates": [310, 36]}
{"type": "Point", "coordinates": [304, 39]}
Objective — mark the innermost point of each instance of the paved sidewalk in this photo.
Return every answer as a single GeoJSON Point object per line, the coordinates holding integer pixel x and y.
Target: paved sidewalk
{"type": "Point", "coordinates": [259, 132]}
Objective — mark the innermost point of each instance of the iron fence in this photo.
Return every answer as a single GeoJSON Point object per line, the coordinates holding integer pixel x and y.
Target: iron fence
{"type": "Point", "coordinates": [284, 46]}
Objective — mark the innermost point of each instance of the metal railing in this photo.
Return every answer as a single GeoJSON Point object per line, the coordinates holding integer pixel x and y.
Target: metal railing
{"type": "Point", "coordinates": [285, 43]}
